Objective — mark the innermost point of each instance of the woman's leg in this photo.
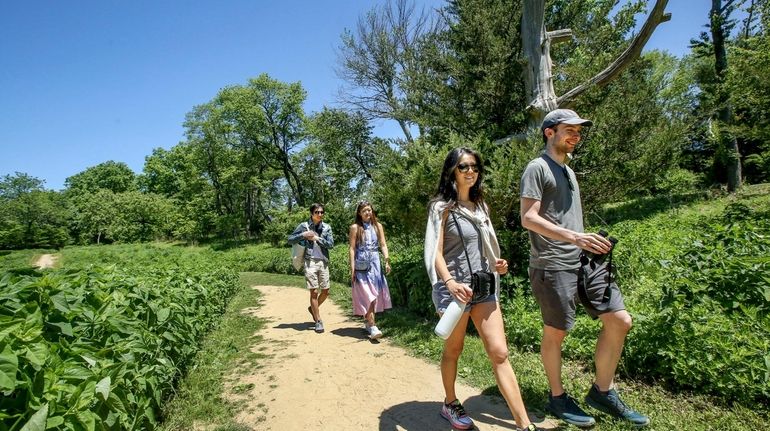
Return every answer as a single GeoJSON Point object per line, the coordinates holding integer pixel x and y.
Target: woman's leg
{"type": "Point", "coordinates": [369, 317]}
{"type": "Point", "coordinates": [489, 322]}
{"type": "Point", "coordinates": [453, 347]}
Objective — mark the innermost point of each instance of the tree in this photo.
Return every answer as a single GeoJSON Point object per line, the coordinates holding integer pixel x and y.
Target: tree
{"type": "Point", "coordinates": [468, 79]}
{"type": "Point", "coordinates": [29, 215]}
{"type": "Point", "coordinates": [242, 143]}
{"type": "Point", "coordinates": [748, 84]}
{"type": "Point", "coordinates": [348, 151]}
{"type": "Point", "coordinates": [721, 25]}
{"type": "Point", "coordinates": [377, 59]}
{"type": "Point", "coordinates": [716, 100]}
{"type": "Point", "coordinates": [114, 176]}
{"type": "Point", "coordinates": [538, 76]}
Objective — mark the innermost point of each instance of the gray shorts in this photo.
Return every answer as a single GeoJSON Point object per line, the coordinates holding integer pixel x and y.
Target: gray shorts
{"type": "Point", "coordinates": [557, 294]}
{"type": "Point", "coordinates": [442, 298]}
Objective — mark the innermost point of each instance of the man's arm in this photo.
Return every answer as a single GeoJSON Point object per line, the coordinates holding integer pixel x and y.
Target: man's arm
{"type": "Point", "coordinates": [532, 220]}
{"type": "Point", "coordinates": [297, 235]}
{"type": "Point", "coordinates": [326, 240]}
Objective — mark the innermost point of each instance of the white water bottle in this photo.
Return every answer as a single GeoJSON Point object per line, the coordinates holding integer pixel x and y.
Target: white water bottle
{"type": "Point", "coordinates": [449, 319]}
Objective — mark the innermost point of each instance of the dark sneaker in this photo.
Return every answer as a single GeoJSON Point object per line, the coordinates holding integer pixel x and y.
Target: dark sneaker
{"type": "Point", "coordinates": [610, 403]}
{"type": "Point", "coordinates": [565, 408]}
{"type": "Point", "coordinates": [319, 326]}
{"type": "Point", "coordinates": [455, 414]}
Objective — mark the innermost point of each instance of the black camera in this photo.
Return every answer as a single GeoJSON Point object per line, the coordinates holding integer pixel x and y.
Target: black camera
{"type": "Point", "coordinates": [483, 285]}
{"type": "Point", "coordinates": [599, 258]}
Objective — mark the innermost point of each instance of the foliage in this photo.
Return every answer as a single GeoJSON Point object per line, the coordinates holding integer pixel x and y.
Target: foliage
{"type": "Point", "coordinates": [378, 59]}
{"type": "Point", "coordinates": [114, 176]}
{"type": "Point", "coordinates": [749, 88]}
{"type": "Point", "coordinates": [639, 122]}
{"type": "Point", "coordinates": [228, 349]}
{"type": "Point", "coordinates": [30, 216]}
{"type": "Point", "coordinates": [99, 344]}
{"type": "Point", "coordinates": [104, 216]}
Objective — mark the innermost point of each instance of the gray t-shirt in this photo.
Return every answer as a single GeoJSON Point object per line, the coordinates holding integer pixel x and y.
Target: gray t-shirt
{"type": "Point", "coordinates": [454, 254]}
{"type": "Point", "coordinates": [547, 181]}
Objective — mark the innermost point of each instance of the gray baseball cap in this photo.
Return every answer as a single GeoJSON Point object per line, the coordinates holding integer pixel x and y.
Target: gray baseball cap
{"type": "Point", "coordinates": [566, 116]}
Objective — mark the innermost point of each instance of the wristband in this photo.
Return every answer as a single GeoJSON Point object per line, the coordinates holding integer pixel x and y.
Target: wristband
{"type": "Point", "coordinates": [446, 283]}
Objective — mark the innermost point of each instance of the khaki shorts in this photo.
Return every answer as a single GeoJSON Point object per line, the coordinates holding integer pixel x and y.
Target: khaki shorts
{"type": "Point", "coordinates": [317, 274]}
{"type": "Point", "coordinates": [557, 294]}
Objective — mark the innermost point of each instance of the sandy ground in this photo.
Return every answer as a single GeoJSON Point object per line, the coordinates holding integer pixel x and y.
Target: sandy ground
{"type": "Point", "coordinates": [340, 380]}
{"type": "Point", "coordinates": [45, 261]}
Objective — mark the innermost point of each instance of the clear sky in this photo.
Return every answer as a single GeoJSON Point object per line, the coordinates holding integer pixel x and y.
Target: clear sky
{"type": "Point", "coordinates": [87, 81]}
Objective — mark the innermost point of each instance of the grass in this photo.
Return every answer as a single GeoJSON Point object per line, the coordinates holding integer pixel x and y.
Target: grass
{"type": "Point", "coordinates": [227, 349]}
{"type": "Point", "coordinates": [20, 259]}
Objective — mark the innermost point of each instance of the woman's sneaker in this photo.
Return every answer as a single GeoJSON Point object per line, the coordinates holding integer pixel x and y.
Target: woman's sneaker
{"type": "Point", "coordinates": [374, 332]}
{"type": "Point", "coordinates": [455, 414]}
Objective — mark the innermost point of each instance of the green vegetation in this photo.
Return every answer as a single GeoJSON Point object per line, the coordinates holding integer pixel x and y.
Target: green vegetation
{"type": "Point", "coordinates": [225, 349]}
{"type": "Point", "coordinates": [101, 342]}
{"type": "Point", "coordinates": [104, 339]}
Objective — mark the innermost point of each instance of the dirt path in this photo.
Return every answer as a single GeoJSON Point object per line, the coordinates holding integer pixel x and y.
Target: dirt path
{"type": "Point", "coordinates": [46, 261]}
{"type": "Point", "coordinates": [341, 381]}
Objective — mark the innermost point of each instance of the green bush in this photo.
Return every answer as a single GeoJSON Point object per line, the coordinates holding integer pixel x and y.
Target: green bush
{"type": "Point", "coordinates": [707, 326]}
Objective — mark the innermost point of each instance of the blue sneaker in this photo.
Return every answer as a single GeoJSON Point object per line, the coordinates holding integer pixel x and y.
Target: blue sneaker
{"type": "Point", "coordinates": [565, 408]}
{"type": "Point", "coordinates": [610, 403]}
{"type": "Point", "coordinates": [455, 414]}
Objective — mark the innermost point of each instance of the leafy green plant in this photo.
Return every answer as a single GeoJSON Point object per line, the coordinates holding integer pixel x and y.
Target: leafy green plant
{"type": "Point", "coordinates": [100, 346]}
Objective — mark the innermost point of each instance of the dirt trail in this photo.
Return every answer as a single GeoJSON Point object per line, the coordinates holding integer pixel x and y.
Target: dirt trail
{"type": "Point", "coordinates": [340, 380]}
{"type": "Point", "coordinates": [46, 261]}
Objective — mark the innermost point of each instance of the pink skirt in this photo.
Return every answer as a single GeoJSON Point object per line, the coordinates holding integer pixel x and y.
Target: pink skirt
{"type": "Point", "coordinates": [370, 287]}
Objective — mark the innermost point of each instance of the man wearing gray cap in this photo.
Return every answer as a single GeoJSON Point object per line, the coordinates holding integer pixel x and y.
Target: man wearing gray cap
{"type": "Point", "coordinates": [552, 212]}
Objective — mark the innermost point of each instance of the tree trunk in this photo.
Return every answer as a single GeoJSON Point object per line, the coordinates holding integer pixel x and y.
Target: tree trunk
{"type": "Point", "coordinates": [536, 46]}
{"type": "Point", "coordinates": [724, 114]}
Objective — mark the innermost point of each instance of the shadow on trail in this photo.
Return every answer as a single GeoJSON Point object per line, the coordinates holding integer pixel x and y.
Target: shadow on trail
{"type": "Point", "coordinates": [414, 416]}
{"type": "Point", "coordinates": [354, 332]}
{"type": "Point", "coordinates": [304, 326]}
{"type": "Point", "coordinates": [485, 411]}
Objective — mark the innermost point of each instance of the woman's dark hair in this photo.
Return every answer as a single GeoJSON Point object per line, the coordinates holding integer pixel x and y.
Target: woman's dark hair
{"type": "Point", "coordinates": [360, 221]}
{"type": "Point", "coordinates": [447, 189]}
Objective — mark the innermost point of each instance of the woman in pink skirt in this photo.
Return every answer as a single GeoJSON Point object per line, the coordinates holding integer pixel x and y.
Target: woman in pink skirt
{"type": "Point", "coordinates": [370, 289]}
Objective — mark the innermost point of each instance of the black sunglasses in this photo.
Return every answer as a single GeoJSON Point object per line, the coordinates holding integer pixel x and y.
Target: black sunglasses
{"type": "Point", "coordinates": [465, 167]}
{"type": "Point", "coordinates": [318, 212]}
{"type": "Point", "coordinates": [569, 180]}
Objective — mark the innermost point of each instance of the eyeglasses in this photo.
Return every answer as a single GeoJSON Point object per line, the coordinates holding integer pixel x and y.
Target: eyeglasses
{"type": "Point", "coordinates": [465, 167]}
{"type": "Point", "coordinates": [318, 212]}
{"type": "Point", "coordinates": [569, 180]}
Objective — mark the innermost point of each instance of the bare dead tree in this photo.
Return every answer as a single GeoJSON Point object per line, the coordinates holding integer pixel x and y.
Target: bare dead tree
{"type": "Point", "coordinates": [536, 47]}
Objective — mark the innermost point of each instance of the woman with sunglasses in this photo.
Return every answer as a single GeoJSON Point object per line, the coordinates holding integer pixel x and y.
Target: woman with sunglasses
{"type": "Point", "coordinates": [459, 241]}
{"type": "Point", "coordinates": [369, 288]}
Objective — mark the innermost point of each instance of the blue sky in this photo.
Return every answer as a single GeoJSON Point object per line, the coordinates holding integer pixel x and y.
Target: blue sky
{"type": "Point", "coordinates": [87, 81]}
